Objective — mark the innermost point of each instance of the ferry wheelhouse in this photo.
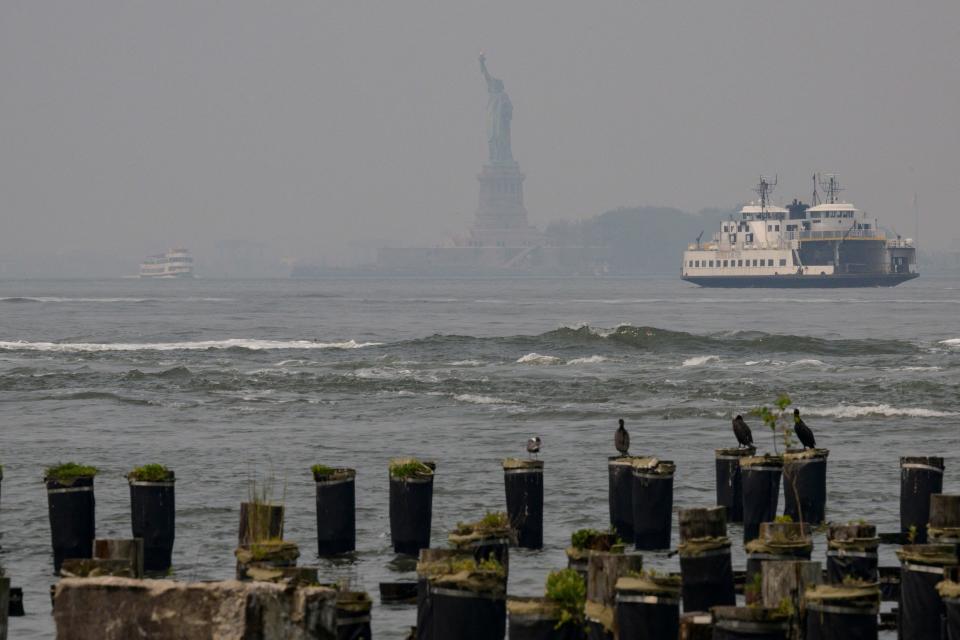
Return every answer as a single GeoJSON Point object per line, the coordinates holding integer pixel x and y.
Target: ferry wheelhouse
{"type": "Point", "coordinates": [830, 244]}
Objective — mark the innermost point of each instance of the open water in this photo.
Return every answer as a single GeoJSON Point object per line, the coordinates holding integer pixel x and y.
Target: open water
{"type": "Point", "coordinates": [228, 381]}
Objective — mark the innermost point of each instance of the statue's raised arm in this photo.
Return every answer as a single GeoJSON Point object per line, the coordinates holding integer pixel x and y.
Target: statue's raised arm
{"type": "Point", "coordinates": [499, 114]}
{"type": "Point", "coordinates": [483, 69]}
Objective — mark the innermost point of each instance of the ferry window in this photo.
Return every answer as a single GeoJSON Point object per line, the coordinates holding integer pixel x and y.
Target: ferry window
{"type": "Point", "coordinates": [739, 263]}
{"type": "Point", "coordinates": [733, 238]}
{"type": "Point", "coordinates": [711, 263]}
{"type": "Point", "coordinates": [749, 237]}
{"type": "Point", "coordinates": [724, 263]}
{"type": "Point", "coordinates": [776, 227]}
{"type": "Point", "coordinates": [783, 262]}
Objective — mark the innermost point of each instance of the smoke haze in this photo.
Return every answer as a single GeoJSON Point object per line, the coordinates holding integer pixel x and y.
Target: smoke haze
{"type": "Point", "coordinates": [255, 132]}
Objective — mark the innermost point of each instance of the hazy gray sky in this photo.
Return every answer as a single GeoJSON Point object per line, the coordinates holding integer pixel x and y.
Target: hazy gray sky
{"type": "Point", "coordinates": [324, 129]}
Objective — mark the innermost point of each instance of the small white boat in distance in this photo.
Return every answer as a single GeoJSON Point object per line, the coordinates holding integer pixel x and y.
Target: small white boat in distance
{"type": "Point", "coordinates": [175, 263]}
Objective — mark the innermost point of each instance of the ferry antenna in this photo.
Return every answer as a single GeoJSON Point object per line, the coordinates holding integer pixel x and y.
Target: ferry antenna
{"type": "Point", "coordinates": [830, 183]}
{"type": "Point", "coordinates": [764, 189]}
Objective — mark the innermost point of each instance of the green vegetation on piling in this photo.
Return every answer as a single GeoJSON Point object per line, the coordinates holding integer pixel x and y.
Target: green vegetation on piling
{"type": "Point", "coordinates": [322, 470]}
{"type": "Point", "coordinates": [151, 473]}
{"type": "Point", "coordinates": [567, 589]}
{"type": "Point", "coordinates": [69, 472]}
{"type": "Point", "coordinates": [595, 540]}
{"type": "Point", "coordinates": [404, 468]}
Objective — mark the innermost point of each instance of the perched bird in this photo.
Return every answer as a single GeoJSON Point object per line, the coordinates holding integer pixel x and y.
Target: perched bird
{"type": "Point", "coordinates": [803, 431]}
{"type": "Point", "coordinates": [533, 446]}
{"type": "Point", "coordinates": [742, 431]}
{"type": "Point", "coordinates": [621, 439]}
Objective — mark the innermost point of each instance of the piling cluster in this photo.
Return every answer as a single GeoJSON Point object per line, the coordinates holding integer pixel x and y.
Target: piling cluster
{"type": "Point", "coordinates": [604, 592]}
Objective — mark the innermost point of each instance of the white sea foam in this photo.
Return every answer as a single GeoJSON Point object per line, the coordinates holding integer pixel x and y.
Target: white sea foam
{"type": "Point", "coordinates": [536, 358]}
{"type": "Point", "coordinates": [466, 363]}
{"type": "Point", "coordinates": [886, 410]}
{"type": "Point", "coordinates": [808, 362]}
{"type": "Point", "coordinates": [919, 369]}
{"type": "Point", "coordinates": [478, 399]}
{"type": "Point", "coordinates": [587, 360]}
{"type": "Point", "coordinates": [200, 345]}
{"type": "Point", "coordinates": [952, 342]}
{"type": "Point", "coordinates": [59, 299]}
{"type": "Point", "coordinates": [751, 363]}
{"type": "Point", "coordinates": [393, 373]}
{"type": "Point", "coordinates": [698, 361]}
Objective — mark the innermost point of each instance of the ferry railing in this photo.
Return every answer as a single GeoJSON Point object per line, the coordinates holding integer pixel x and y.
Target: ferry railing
{"type": "Point", "coordinates": [862, 234]}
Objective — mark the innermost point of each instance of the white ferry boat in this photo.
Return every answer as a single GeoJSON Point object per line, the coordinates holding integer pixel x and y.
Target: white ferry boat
{"type": "Point", "coordinates": [175, 263]}
{"type": "Point", "coordinates": [829, 244]}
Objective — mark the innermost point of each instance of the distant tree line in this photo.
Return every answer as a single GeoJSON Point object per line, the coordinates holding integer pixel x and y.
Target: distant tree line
{"type": "Point", "coordinates": [639, 239]}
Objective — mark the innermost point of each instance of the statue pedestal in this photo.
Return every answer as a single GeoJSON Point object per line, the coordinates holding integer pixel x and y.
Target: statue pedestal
{"type": "Point", "coordinates": [501, 218]}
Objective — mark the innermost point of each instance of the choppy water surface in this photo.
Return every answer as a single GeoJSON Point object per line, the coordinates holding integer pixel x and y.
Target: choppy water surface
{"type": "Point", "coordinates": [225, 381]}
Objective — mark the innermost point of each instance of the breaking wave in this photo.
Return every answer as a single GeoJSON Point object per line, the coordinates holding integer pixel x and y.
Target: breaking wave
{"type": "Point", "coordinates": [536, 358]}
{"type": "Point", "coordinates": [594, 359]}
{"type": "Point", "coordinates": [886, 410]}
{"type": "Point", "coordinates": [478, 399]}
{"type": "Point", "coordinates": [698, 361]}
{"type": "Point", "coordinates": [201, 345]}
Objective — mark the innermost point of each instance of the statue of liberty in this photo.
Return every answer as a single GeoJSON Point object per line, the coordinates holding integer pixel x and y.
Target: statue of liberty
{"type": "Point", "coordinates": [499, 114]}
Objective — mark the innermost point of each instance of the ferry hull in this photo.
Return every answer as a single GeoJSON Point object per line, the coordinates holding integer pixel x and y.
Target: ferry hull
{"type": "Point", "coordinates": [795, 281]}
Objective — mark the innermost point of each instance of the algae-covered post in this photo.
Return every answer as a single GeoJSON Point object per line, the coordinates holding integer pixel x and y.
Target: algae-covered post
{"type": "Point", "coordinates": [489, 537]}
{"type": "Point", "coordinates": [557, 616]}
{"type": "Point", "coordinates": [266, 560]}
{"type": "Point", "coordinates": [922, 567]}
{"type": "Point", "coordinates": [705, 566]}
{"type": "Point", "coordinates": [153, 514]}
{"type": "Point", "coordinates": [336, 510]}
{"type": "Point", "coordinates": [852, 552]}
{"type": "Point", "coordinates": [127, 550]}
{"type": "Point", "coordinates": [949, 590]}
{"type": "Point", "coordinates": [696, 625]}
{"type": "Point", "coordinates": [604, 569]}
{"type": "Point", "coordinates": [411, 504]}
{"type": "Point", "coordinates": [778, 541]}
{"type": "Point", "coordinates": [523, 484]}
{"type": "Point", "coordinates": [353, 615]}
{"type": "Point", "coordinates": [760, 477]}
{"type": "Point", "coordinates": [784, 583]}
{"type": "Point", "coordinates": [729, 486]}
{"type": "Point", "coordinates": [467, 599]}
{"type": "Point", "coordinates": [585, 542]}
{"type": "Point", "coordinates": [648, 606]}
{"type": "Point", "coordinates": [838, 612]}
{"type": "Point", "coordinates": [432, 561]}
{"type": "Point", "coordinates": [805, 485]}
{"type": "Point", "coordinates": [944, 525]}
{"type": "Point", "coordinates": [920, 477]}
{"type": "Point", "coordinates": [736, 623]}
{"type": "Point", "coordinates": [620, 494]}
{"type": "Point", "coordinates": [72, 509]}
{"type": "Point", "coordinates": [652, 503]}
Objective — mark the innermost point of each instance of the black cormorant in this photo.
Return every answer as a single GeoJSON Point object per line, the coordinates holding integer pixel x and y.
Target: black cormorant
{"type": "Point", "coordinates": [621, 439]}
{"type": "Point", "coordinates": [533, 446]}
{"type": "Point", "coordinates": [742, 431]}
{"type": "Point", "coordinates": [803, 431]}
